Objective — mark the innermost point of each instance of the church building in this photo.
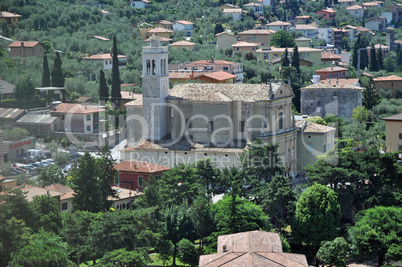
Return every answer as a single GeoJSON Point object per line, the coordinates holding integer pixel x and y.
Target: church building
{"type": "Point", "coordinates": [191, 122]}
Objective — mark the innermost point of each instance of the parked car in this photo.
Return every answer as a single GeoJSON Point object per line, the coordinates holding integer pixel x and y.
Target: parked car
{"type": "Point", "coordinates": [30, 167]}
{"type": "Point", "coordinates": [49, 161]}
{"type": "Point", "coordinates": [68, 168]}
{"type": "Point", "coordinates": [37, 164]}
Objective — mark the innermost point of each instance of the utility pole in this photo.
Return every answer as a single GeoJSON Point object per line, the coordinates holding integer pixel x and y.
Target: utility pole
{"type": "Point", "coordinates": [358, 60]}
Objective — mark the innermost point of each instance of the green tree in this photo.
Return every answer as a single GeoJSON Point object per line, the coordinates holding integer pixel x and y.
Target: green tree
{"type": "Point", "coordinates": [282, 39]}
{"type": "Point", "coordinates": [390, 62]}
{"type": "Point", "coordinates": [370, 95]}
{"type": "Point", "coordinates": [116, 89]}
{"type": "Point", "coordinates": [317, 119]}
{"type": "Point", "coordinates": [202, 217]}
{"type": "Point", "coordinates": [52, 174]}
{"type": "Point", "coordinates": [103, 88]}
{"type": "Point", "coordinates": [45, 73]}
{"type": "Point", "coordinates": [334, 253]}
{"type": "Point", "coordinates": [106, 174]}
{"type": "Point", "coordinates": [296, 59]}
{"type": "Point", "coordinates": [399, 55]}
{"type": "Point", "coordinates": [218, 28]}
{"type": "Point", "coordinates": [57, 72]}
{"type": "Point", "coordinates": [373, 59]}
{"type": "Point", "coordinates": [123, 258]}
{"type": "Point", "coordinates": [48, 211]}
{"type": "Point", "coordinates": [360, 115]}
{"type": "Point", "coordinates": [208, 174]}
{"type": "Point", "coordinates": [317, 216]}
{"type": "Point", "coordinates": [44, 249]}
{"type": "Point", "coordinates": [380, 59]}
{"type": "Point", "coordinates": [24, 89]}
{"type": "Point", "coordinates": [187, 253]}
{"type": "Point", "coordinates": [355, 50]}
{"type": "Point", "coordinates": [345, 43]}
{"type": "Point", "coordinates": [285, 59]}
{"type": "Point", "coordinates": [375, 231]}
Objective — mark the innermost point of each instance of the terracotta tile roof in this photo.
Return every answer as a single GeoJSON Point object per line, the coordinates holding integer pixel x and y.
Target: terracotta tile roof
{"type": "Point", "coordinates": [101, 38]}
{"type": "Point", "coordinates": [397, 117]}
{"type": "Point", "coordinates": [218, 34]}
{"type": "Point", "coordinates": [33, 191]}
{"type": "Point", "coordinates": [311, 127]}
{"type": "Point", "coordinates": [221, 92]}
{"type": "Point", "coordinates": [182, 43]}
{"type": "Point", "coordinates": [74, 108]}
{"type": "Point", "coordinates": [220, 75]}
{"type": "Point", "coordinates": [340, 81]}
{"type": "Point", "coordinates": [244, 44]}
{"type": "Point", "coordinates": [159, 30]}
{"type": "Point", "coordinates": [388, 78]}
{"type": "Point", "coordinates": [165, 22]}
{"type": "Point", "coordinates": [184, 22]}
{"type": "Point", "coordinates": [23, 44]}
{"type": "Point", "coordinates": [139, 167]}
{"type": "Point", "coordinates": [130, 95]}
{"type": "Point", "coordinates": [137, 102]}
{"type": "Point", "coordinates": [124, 193]}
{"type": "Point", "coordinates": [290, 49]}
{"type": "Point", "coordinates": [331, 69]}
{"type": "Point", "coordinates": [328, 10]}
{"type": "Point", "coordinates": [67, 195]}
{"type": "Point", "coordinates": [252, 5]}
{"type": "Point", "coordinates": [265, 32]}
{"type": "Point", "coordinates": [305, 27]}
{"type": "Point", "coordinates": [6, 14]}
{"type": "Point", "coordinates": [328, 55]}
{"type": "Point", "coordinates": [216, 62]}
{"type": "Point", "coordinates": [179, 75]}
{"type": "Point", "coordinates": [321, 86]}
{"type": "Point", "coordinates": [59, 188]}
{"type": "Point", "coordinates": [279, 23]}
{"type": "Point", "coordinates": [358, 28]}
{"type": "Point", "coordinates": [354, 7]}
{"type": "Point", "coordinates": [303, 17]}
{"type": "Point", "coordinates": [102, 56]}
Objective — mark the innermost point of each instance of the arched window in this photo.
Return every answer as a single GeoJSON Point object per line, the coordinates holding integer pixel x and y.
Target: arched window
{"type": "Point", "coordinates": [153, 67]}
{"type": "Point", "coordinates": [148, 67]}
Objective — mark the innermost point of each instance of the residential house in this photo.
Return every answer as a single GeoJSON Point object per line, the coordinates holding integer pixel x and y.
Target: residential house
{"type": "Point", "coordinates": [107, 62]}
{"type": "Point", "coordinates": [279, 26]}
{"type": "Point", "coordinates": [224, 40]}
{"type": "Point", "coordinates": [227, 6]}
{"type": "Point", "coordinates": [128, 96]}
{"type": "Point", "coordinates": [163, 39]}
{"type": "Point", "coordinates": [346, 2]}
{"type": "Point", "coordinates": [303, 42]}
{"type": "Point", "coordinates": [266, 2]}
{"type": "Point", "coordinates": [100, 38]}
{"type": "Point", "coordinates": [303, 19]}
{"type": "Point", "coordinates": [161, 32]}
{"type": "Point", "coordinates": [245, 47]}
{"type": "Point", "coordinates": [182, 76]}
{"type": "Point", "coordinates": [124, 198]}
{"type": "Point", "coordinates": [393, 133]}
{"type": "Point", "coordinates": [105, 12]}
{"type": "Point", "coordinates": [384, 50]}
{"type": "Point", "coordinates": [236, 13]}
{"type": "Point", "coordinates": [254, 248]}
{"type": "Point", "coordinates": [26, 49]}
{"type": "Point", "coordinates": [6, 183]}
{"type": "Point", "coordinates": [356, 11]}
{"type": "Point", "coordinates": [377, 24]}
{"type": "Point", "coordinates": [6, 90]}
{"type": "Point", "coordinates": [377, 4]}
{"type": "Point", "coordinates": [329, 14]}
{"type": "Point", "coordinates": [8, 116]}
{"type": "Point", "coordinates": [1, 146]}
{"type": "Point", "coordinates": [306, 30]}
{"type": "Point", "coordinates": [183, 44]}
{"type": "Point", "coordinates": [257, 36]}
{"type": "Point", "coordinates": [393, 14]}
{"type": "Point", "coordinates": [392, 83]}
{"type": "Point", "coordinates": [329, 58]}
{"type": "Point", "coordinates": [217, 77]}
{"type": "Point", "coordinates": [313, 140]}
{"type": "Point", "coordinates": [66, 200]}
{"type": "Point", "coordinates": [175, 136]}
{"type": "Point", "coordinates": [332, 73]}
{"type": "Point", "coordinates": [139, 3]}
{"type": "Point", "coordinates": [164, 24]}
{"type": "Point", "coordinates": [341, 82]}
{"type": "Point", "coordinates": [77, 118]}
{"type": "Point", "coordinates": [338, 35]}
{"type": "Point", "coordinates": [355, 30]}
{"type": "Point", "coordinates": [183, 25]}
{"type": "Point", "coordinates": [11, 18]}
{"type": "Point", "coordinates": [38, 124]}
{"type": "Point", "coordinates": [135, 175]}
{"type": "Point", "coordinates": [306, 53]}
{"type": "Point", "coordinates": [258, 9]}
{"type": "Point", "coordinates": [337, 98]}
{"type": "Point", "coordinates": [202, 66]}
{"type": "Point", "coordinates": [326, 34]}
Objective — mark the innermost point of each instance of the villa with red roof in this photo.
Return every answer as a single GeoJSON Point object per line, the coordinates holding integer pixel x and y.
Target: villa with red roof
{"type": "Point", "coordinates": [183, 25]}
{"type": "Point", "coordinates": [183, 44]}
{"type": "Point", "coordinates": [392, 83]}
{"type": "Point", "coordinates": [26, 49]}
{"type": "Point", "coordinates": [327, 13]}
{"type": "Point", "coordinates": [11, 18]}
{"type": "Point", "coordinates": [106, 60]}
{"type": "Point", "coordinates": [245, 47]}
{"type": "Point", "coordinates": [134, 174]}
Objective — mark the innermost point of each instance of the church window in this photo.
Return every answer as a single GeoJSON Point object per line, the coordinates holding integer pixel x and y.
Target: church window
{"type": "Point", "coordinates": [318, 103]}
{"type": "Point", "coordinates": [161, 70]}
{"type": "Point", "coordinates": [148, 67]}
{"type": "Point", "coordinates": [153, 67]}
{"type": "Point", "coordinates": [242, 126]}
{"type": "Point", "coordinates": [210, 126]}
{"type": "Point", "coordinates": [280, 120]}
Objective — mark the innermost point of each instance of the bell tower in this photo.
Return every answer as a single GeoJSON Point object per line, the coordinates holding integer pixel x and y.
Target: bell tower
{"type": "Point", "coordinates": [155, 88]}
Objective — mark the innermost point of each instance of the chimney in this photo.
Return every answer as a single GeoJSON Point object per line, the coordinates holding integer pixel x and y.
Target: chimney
{"type": "Point", "coordinates": [22, 44]}
{"type": "Point", "coordinates": [224, 248]}
{"type": "Point", "coordinates": [48, 193]}
{"type": "Point", "coordinates": [135, 166]}
{"type": "Point", "coordinates": [41, 183]}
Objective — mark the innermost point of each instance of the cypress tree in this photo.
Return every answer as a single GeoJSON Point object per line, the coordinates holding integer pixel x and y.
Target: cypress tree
{"type": "Point", "coordinates": [116, 89]}
{"type": "Point", "coordinates": [364, 60]}
{"type": "Point", "coordinates": [46, 73]}
{"type": "Point", "coordinates": [296, 59]}
{"type": "Point", "coordinates": [373, 59]}
{"type": "Point", "coordinates": [103, 88]}
{"type": "Point", "coordinates": [380, 60]}
{"type": "Point", "coordinates": [355, 55]}
{"type": "Point", "coordinates": [370, 95]}
{"type": "Point", "coordinates": [399, 54]}
{"type": "Point", "coordinates": [57, 72]}
{"type": "Point", "coordinates": [285, 59]}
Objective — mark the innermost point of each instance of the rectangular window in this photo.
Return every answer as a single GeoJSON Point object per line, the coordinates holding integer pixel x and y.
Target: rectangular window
{"type": "Point", "coordinates": [88, 128]}
{"type": "Point", "coordinates": [211, 126]}
{"type": "Point", "coordinates": [64, 206]}
{"type": "Point", "coordinates": [237, 49]}
{"type": "Point", "coordinates": [106, 62]}
{"type": "Point", "coordinates": [309, 147]}
{"type": "Point", "coordinates": [275, 55]}
{"type": "Point", "coordinates": [96, 126]}
{"type": "Point", "coordinates": [140, 181]}
{"type": "Point", "coordinates": [280, 120]}
{"type": "Point", "coordinates": [400, 148]}
{"type": "Point", "coordinates": [62, 117]}
{"type": "Point", "coordinates": [157, 177]}
{"type": "Point", "coordinates": [265, 55]}
{"type": "Point", "coordinates": [318, 103]}
{"type": "Point", "coordinates": [242, 126]}
{"type": "Point", "coordinates": [335, 93]}
{"type": "Point", "coordinates": [225, 68]}
{"type": "Point", "coordinates": [88, 117]}
{"type": "Point", "coordinates": [308, 54]}
{"type": "Point", "coordinates": [400, 136]}
{"type": "Point", "coordinates": [325, 148]}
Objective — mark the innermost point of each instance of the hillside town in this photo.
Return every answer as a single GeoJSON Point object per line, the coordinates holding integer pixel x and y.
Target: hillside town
{"type": "Point", "coordinates": [200, 133]}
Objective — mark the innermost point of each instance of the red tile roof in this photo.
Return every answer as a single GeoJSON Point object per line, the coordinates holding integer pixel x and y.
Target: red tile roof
{"type": "Point", "coordinates": [328, 55]}
{"type": "Point", "coordinates": [64, 108]}
{"type": "Point", "coordinates": [278, 23]}
{"type": "Point", "coordinates": [340, 81]}
{"type": "Point", "coordinates": [244, 44]}
{"type": "Point", "coordinates": [331, 69]}
{"type": "Point", "coordinates": [130, 95]}
{"type": "Point", "coordinates": [159, 30]}
{"type": "Point", "coordinates": [220, 75]}
{"type": "Point", "coordinates": [140, 167]}
{"type": "Point", "coordinates": [102, 56]}
{"type": "Point", "coordinates": [182, 43]}
{"type": "Point", "coordinates": [184, 22]}
{"type": "Point", "coordinates": [6, 14]}
{"type": "Point", "coordinates": [265, 32]}
{"type": "Point", "coordinates": [23, 44]}
{"type": "Point", "coordinates": [388, 78]}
